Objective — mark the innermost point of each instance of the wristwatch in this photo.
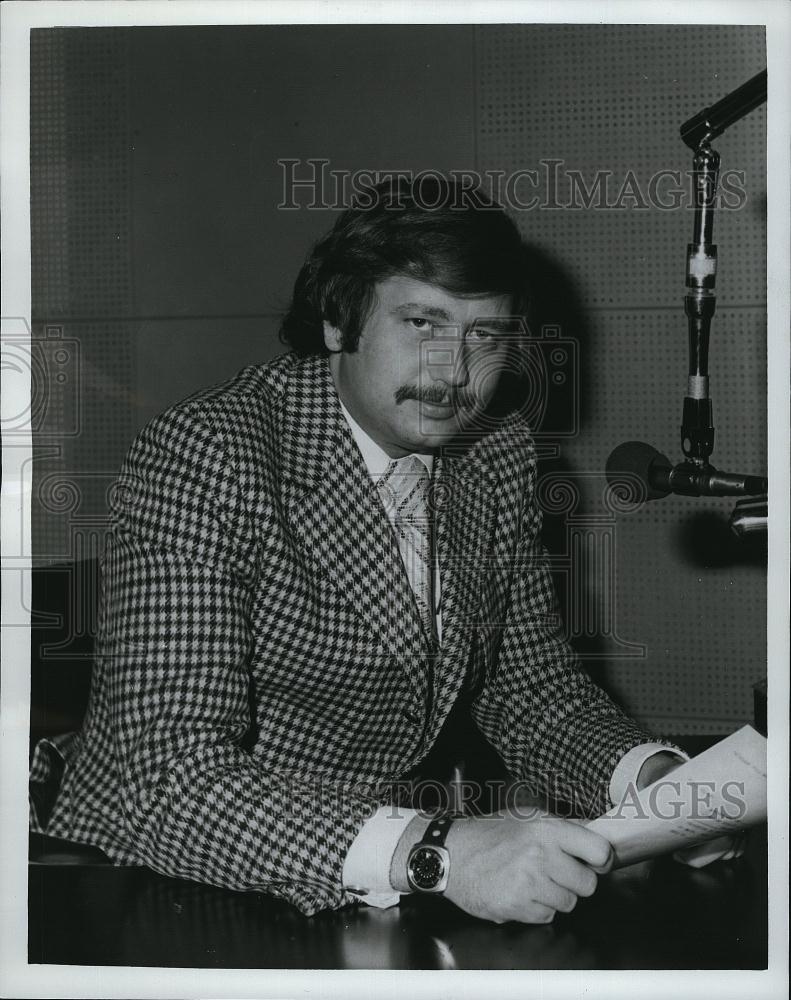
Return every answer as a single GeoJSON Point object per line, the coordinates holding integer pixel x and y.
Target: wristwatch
{"type": "Point", "coordinates": [428, 863]}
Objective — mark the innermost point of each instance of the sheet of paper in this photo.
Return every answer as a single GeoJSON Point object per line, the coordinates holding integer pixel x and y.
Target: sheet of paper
{"type": "Point", "coordinates": [722, 790]}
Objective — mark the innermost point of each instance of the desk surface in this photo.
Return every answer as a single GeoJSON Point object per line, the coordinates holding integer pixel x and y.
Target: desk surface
{"type": "Point", "coordinates": [656, 915]}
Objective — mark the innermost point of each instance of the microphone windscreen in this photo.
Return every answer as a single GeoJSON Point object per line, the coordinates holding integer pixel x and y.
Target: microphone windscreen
{"type": "Point", "coordinates": [638, 471]}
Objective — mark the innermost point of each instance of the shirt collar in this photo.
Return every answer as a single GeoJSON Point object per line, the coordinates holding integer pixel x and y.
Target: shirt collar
{"type": "Point", "coordinates": [375, 457]}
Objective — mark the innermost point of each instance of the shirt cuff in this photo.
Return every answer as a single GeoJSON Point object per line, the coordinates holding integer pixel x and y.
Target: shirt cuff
{"type": "Point", "coordinates": [366, 870]}
{"type": "Point", "coordinates": [628, 767]}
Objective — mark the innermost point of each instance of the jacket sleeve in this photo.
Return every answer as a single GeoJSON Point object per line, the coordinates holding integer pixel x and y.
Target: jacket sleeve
{"type": "Point", "coordinates": [553, 727]}
{"type": "Point", "coordinates": [174, 639]}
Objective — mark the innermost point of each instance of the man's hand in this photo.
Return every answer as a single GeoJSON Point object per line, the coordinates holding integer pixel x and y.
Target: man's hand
{"type": "Point", "coordinates": [507, 868]}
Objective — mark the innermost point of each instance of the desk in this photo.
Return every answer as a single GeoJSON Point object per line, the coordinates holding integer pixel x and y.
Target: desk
{"type": "Point", "coordinates": [655, 915]}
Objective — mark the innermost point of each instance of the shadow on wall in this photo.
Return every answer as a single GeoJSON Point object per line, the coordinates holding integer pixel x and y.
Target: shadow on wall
{"type": "Point", "coordinates": [701, 538]}
{"type": "Point", "coordinates": [705, 540]}
{"type": "Point", "coordinates": [554, 398]}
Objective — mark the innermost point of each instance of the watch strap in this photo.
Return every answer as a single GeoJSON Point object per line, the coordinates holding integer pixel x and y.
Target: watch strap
{"type": "Point", "coordinates": [437, 830]}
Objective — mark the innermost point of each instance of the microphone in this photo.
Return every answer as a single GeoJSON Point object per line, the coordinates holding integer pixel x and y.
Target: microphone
{"type": "Point", "coordinates": [640, 472]}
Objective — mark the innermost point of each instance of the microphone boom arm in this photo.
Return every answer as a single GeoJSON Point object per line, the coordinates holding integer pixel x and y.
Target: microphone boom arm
{"type": "Point", "coordinates": [712, 122]}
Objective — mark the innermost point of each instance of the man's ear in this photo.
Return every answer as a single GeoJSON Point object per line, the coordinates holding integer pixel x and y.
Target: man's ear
{"type": "Point", "coordinates": [332, 337]}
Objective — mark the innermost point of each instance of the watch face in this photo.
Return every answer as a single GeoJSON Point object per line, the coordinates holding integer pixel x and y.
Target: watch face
{"type": "Point", "coordinates": [426, 867]}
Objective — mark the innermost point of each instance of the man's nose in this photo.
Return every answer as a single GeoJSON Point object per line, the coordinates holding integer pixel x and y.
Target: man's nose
{"type": "Point", "coordinates": [444, 357]}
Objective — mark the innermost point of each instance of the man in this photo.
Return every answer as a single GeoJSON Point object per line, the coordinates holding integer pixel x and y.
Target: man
{"type": "Point", "coordinates": [310, 565]}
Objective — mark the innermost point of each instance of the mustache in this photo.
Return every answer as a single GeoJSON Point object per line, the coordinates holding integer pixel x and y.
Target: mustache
{"type": "Point", "coordinates": [438, 394]}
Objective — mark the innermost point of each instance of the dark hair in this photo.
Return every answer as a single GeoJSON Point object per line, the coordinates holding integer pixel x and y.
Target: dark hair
{"type": "Point", "coordinates": [431, 228]}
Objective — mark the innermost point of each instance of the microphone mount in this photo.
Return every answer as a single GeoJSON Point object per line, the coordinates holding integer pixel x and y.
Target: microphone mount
{"type": "Point", "coordinates": [639, 472]}
{"type": "Point", "coordinates": [697, 426]}
{"type": "Point", "coordinates": [711, 122]}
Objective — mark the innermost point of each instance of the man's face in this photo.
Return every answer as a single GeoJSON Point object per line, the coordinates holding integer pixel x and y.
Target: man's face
{"type": "Point", "coordinates": [426, 364]}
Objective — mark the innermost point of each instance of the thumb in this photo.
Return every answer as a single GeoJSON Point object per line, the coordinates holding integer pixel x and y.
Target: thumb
{"type": "Point", "coordinates": [608, 864]}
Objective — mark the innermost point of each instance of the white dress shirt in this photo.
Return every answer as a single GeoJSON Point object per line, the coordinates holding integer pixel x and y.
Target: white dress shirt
{"type": "Point", "coordinates": [366, 870]}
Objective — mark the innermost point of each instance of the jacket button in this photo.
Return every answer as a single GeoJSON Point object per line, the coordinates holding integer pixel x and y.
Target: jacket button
{"type": "Point", "coordinates": [411, 716]}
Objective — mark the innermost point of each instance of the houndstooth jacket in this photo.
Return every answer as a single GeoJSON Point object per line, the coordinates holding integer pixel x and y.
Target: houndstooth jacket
{"type": "Point", "coordinates": [261, 680]}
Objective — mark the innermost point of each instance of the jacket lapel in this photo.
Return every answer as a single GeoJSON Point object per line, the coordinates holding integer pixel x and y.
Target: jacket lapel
{"type": "Point", "coordinates": [333, 507]}
{"type": "Point", "coordinates": [466, 495]}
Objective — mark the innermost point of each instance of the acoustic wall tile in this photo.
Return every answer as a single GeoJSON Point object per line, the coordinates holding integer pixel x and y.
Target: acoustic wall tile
{"type": "Point", "coordinates": [48, 172]}
{"type": "Point", "coordinates": [685, 589]}
{"type": "Point", "coordinates": [81, 278]}
{"type": "Point", "coordinates": [587, 105]}
{"type": "Point", "coordinates": [98, 149]}
{"type": "Point", "coordinates": [595, 111]}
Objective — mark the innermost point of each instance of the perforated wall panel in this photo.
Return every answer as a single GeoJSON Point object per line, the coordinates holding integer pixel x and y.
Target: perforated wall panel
{"type": "Point", "coordinates": [685, 603]}
{"type": "Point", "coordinates": [81, 281]}
{"type": "Point", "coordinates": [606, 102]}
{"type": "Point", "coordinates": [48, 172]}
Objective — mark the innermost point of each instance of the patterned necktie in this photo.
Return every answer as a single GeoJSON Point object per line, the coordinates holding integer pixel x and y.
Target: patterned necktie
{"type": "Point", "coordinates": [404, 489]}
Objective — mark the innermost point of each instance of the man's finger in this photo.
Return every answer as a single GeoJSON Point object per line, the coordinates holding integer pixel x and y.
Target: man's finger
{"type": "Point", "coordinates": [537, 913]}
{"type": "Point", "coordinates": [588, 846]}
{"type": "Point", "coordinates": [555, 896]}
{"type": "Point", "coordinates": [606, 868]}
{"type": "Point", "coordinates": [573, 875]}
{"type": "Point", "coordinates": [719, 849]}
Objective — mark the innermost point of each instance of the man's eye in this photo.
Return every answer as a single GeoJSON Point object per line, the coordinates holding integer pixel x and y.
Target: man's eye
{"type": "Point", "coordinates": [419, 322]}
{"type": "Point", "coordinates": [481, 336]}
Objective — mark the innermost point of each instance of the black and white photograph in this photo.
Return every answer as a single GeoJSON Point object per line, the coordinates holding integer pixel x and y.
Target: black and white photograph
{"type": "Point", "coordinates": [395, 499]}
